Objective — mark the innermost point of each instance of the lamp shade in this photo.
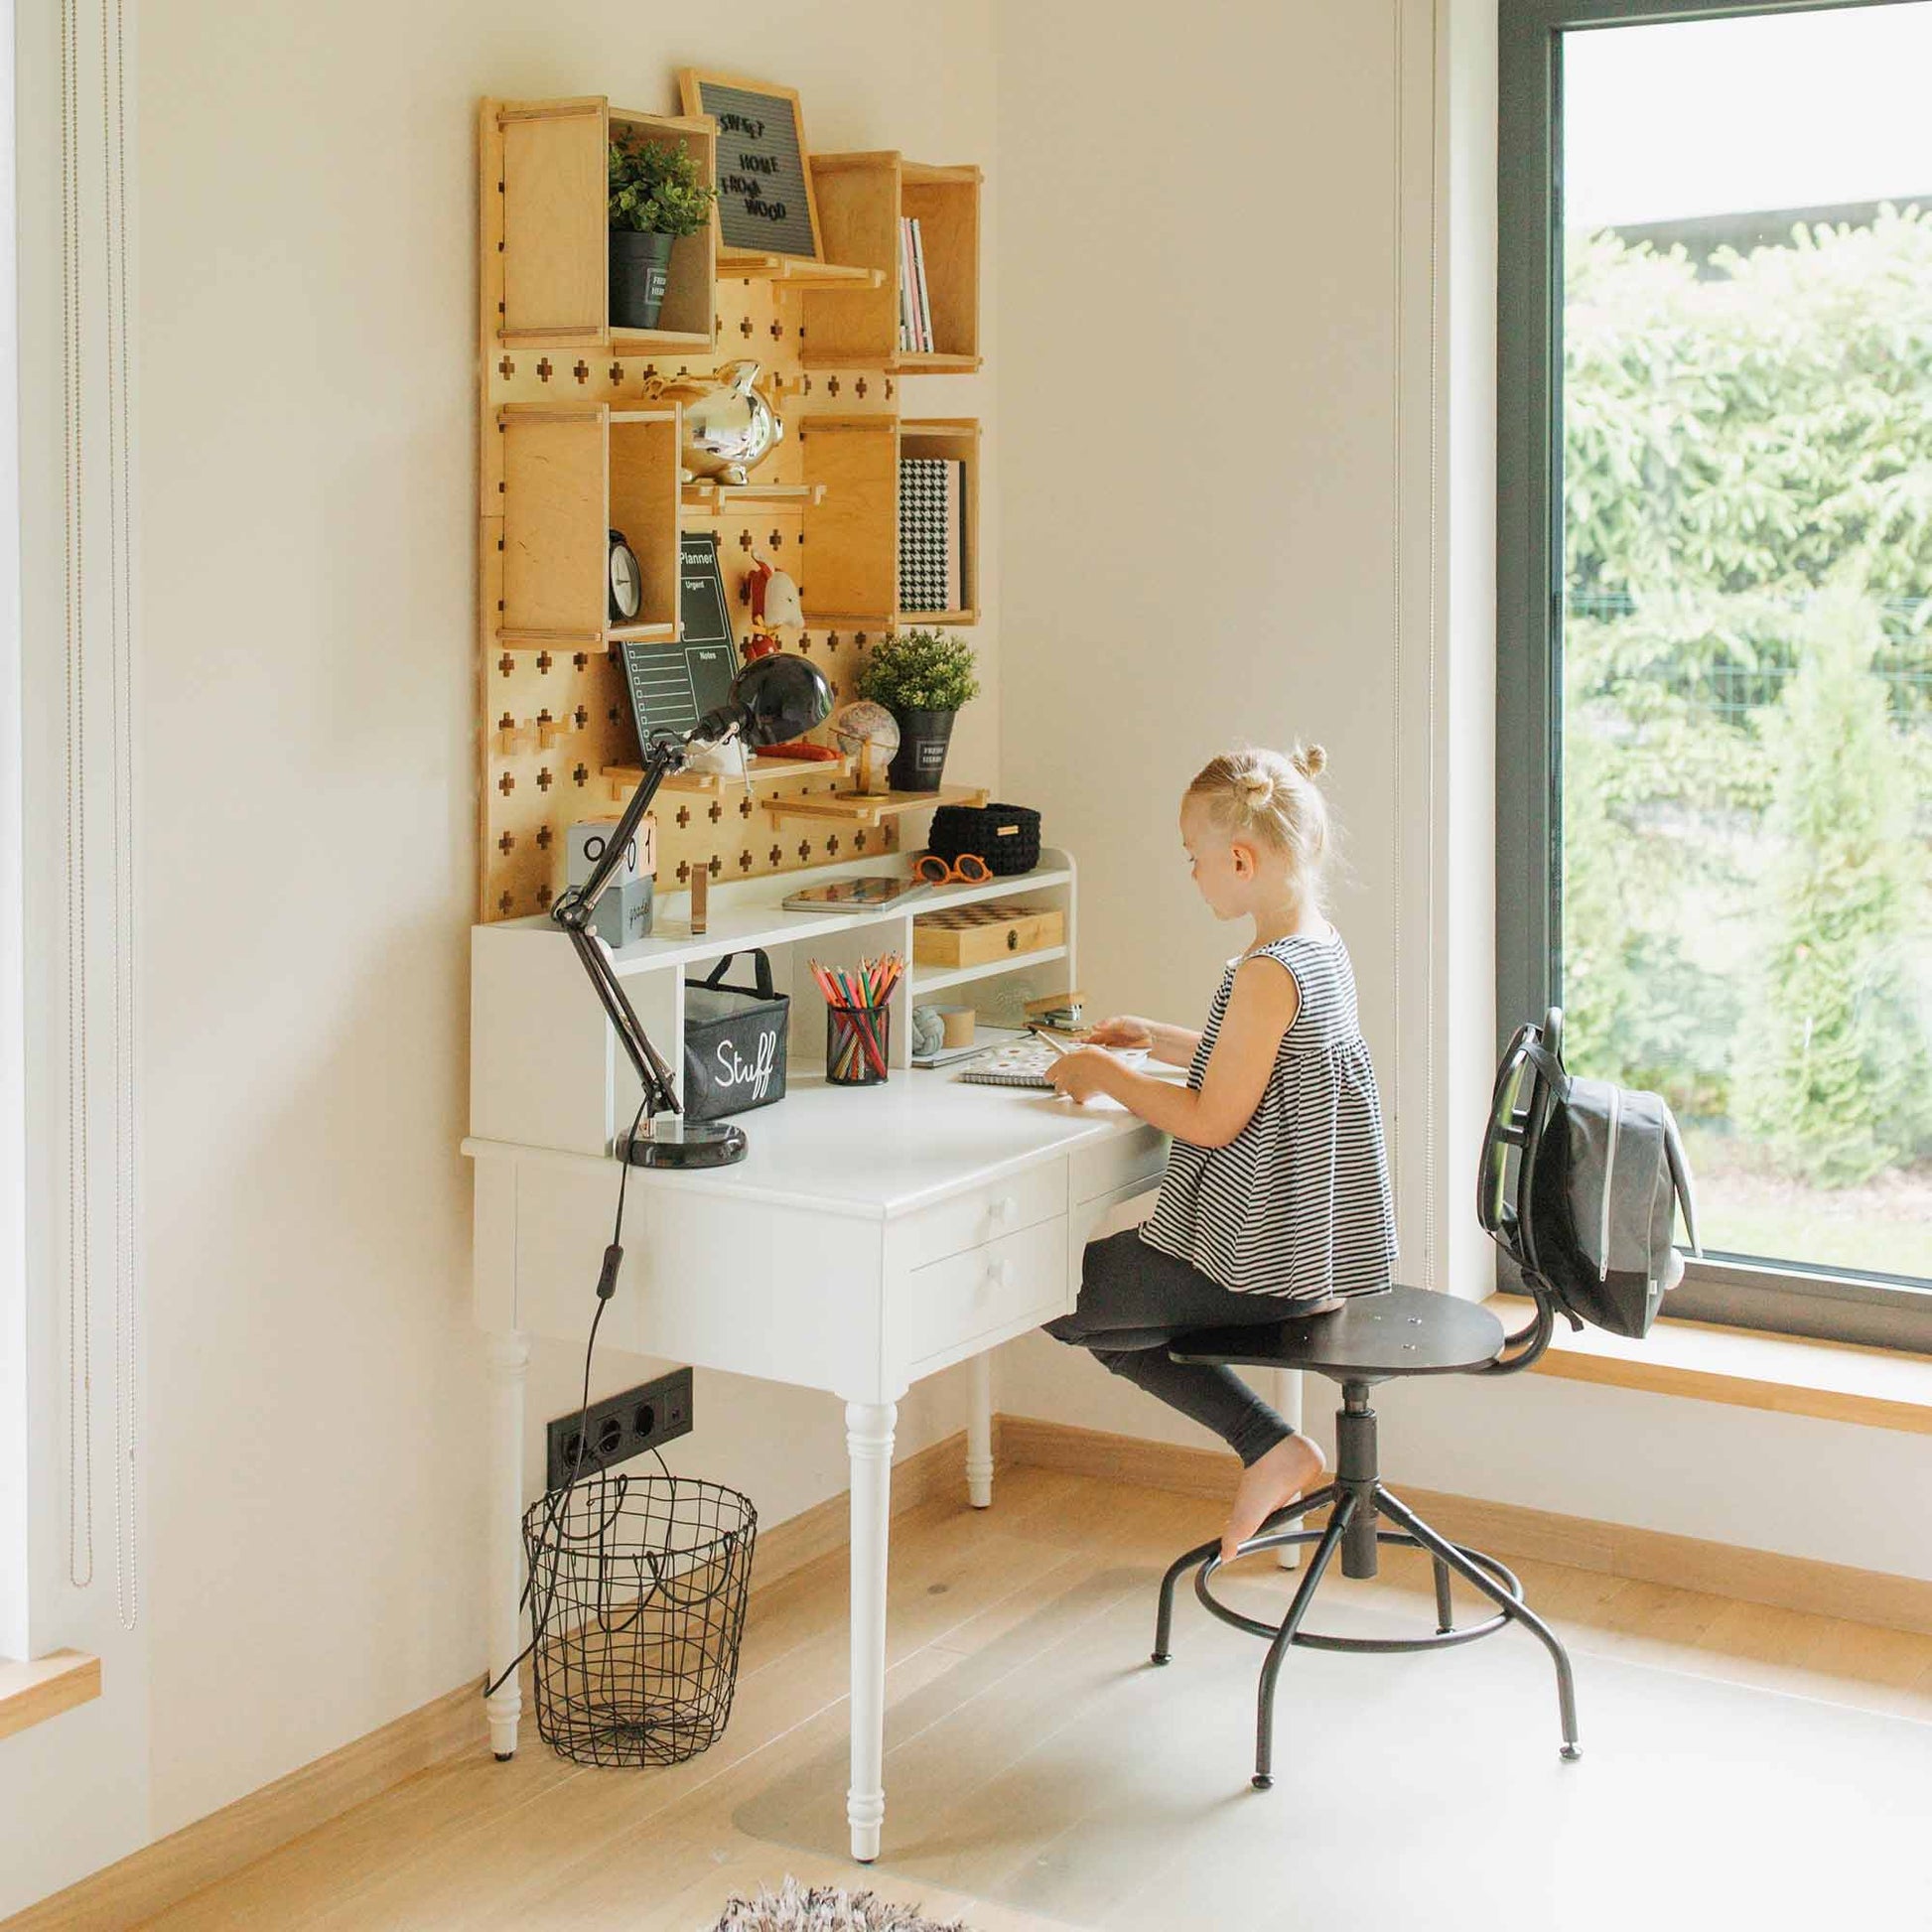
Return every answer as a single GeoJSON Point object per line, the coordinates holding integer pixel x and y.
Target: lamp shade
{"type": "Point", "coordinates": [778, 698]}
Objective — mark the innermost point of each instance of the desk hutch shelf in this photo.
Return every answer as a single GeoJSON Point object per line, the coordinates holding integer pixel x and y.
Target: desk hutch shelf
{"type": "Point", "coordinates": [579, 437]}
{"type": "Point", "coordinates": [576, 1091]}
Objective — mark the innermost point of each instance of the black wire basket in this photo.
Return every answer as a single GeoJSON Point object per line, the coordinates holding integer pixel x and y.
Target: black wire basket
{"type": "Point", "coordinates": [637, 1604]}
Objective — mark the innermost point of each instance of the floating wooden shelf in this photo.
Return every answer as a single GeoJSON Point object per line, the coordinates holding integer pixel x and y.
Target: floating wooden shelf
{"type": "Point", "coordinates": [720, 499]}
{"type": "Point", "coordinates": [874, 808]}
{"type": "Point", "coordinates": [656, 342]}
{"type": "Point", "coordinates": [796, 268]}
{"type": "Point", "coordinates": [626, 779]}
{"type": "Point", "coordinates": [906, 362]}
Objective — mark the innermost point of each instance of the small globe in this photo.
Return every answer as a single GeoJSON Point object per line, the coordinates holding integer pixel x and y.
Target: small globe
{"type": "Point", "coordinates": [856, 725]}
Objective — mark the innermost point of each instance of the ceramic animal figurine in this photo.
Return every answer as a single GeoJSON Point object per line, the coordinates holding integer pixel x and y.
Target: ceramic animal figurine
{"type": "Point", "coordinates": [729, 427]}
{"type": "Point", "coordinates": [776, 607]}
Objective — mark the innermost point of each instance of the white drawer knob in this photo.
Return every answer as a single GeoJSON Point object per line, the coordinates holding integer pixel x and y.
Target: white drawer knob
{"type": "Point", "coordinates": [998, 1274]}
{"type": "Point", "coordinates": [1003, 1208]}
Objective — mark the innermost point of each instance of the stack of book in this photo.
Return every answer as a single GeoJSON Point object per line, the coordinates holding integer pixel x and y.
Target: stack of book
{"type": "Point", "coordinates": [914, 304]}
{"type": "Point", "coordinates": [931, 533]}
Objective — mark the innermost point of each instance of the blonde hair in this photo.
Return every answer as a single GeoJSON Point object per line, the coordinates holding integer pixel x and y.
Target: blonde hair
{"type": "Point", "coordinates": [1274, 801]}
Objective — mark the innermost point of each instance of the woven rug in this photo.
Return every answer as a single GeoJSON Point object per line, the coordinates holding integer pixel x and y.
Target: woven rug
{"type": "Point", "coordinates": [824, 1908]}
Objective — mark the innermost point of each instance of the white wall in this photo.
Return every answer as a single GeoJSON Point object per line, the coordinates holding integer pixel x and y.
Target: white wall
{"type": "Point", "coordinates": [1203, 534]}
{"type": "Point", "coordinates": [315, 1406]}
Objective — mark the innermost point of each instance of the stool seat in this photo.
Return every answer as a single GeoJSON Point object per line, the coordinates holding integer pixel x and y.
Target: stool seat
{"type": "Point", "coordinates": [1370, 1339]}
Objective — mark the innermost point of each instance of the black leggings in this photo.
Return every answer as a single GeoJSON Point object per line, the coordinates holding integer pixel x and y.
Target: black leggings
{"type": "Point", "coordinates": [1134, 1301]}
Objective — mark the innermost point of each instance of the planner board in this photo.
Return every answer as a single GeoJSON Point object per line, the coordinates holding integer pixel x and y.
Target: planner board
{"type": "Point", "coordinates": [674, 682]}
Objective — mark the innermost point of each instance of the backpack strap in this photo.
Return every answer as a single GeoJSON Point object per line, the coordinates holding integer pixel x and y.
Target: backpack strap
{"type": "Point", "coordinates": [1680, 1174]}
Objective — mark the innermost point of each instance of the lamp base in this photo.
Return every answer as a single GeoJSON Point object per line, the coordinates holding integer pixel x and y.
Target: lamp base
{"type": "Point", "coordinates": [671, 1141]}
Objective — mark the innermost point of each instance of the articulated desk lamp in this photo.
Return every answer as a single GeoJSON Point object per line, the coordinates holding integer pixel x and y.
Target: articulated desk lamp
{"type": "Point", "coordinates": [772, 698]}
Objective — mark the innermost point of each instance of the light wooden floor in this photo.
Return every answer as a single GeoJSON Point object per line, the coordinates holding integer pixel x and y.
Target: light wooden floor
{"type": "Point", "coordinates": [543, 1844]}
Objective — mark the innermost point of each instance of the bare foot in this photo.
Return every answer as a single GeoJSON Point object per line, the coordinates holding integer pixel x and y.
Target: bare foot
{"type": "Point", "coordinates": [1291, 1467]}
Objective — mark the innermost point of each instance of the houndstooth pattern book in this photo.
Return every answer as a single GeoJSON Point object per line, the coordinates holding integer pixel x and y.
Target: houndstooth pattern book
{"type": "Point", "coordinates": [931, 521]}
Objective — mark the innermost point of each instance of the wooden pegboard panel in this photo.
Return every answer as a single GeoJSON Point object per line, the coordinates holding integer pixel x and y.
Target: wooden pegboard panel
{"type": "Point", "coordinates": [555, 719]}
{"type": "Point", "coordinates": [552, 720]}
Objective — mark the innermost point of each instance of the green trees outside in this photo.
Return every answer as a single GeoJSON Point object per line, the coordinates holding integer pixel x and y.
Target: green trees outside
{"type": "Point", "coordinates": [1747, 683]}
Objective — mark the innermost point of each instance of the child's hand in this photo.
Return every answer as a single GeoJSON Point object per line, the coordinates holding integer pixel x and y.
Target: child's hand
{"type": "Point", "coordinates": [1124, 1030]}
{"type": "Point", "coordinates": [1081, 1075]}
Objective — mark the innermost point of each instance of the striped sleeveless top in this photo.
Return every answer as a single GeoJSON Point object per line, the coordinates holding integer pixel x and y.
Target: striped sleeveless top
{"type": "Point", "coordinates": [1298, 1204]}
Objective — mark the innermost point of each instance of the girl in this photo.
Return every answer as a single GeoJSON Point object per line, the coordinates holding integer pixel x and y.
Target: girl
{"type": "Point", "coordinates": [1275, 1198]}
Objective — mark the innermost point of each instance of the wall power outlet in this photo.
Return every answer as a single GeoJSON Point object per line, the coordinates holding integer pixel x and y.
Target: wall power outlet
{"type": "Point", "coordinates": [620, 1427]}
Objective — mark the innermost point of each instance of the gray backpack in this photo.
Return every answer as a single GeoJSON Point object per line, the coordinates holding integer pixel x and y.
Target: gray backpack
{"type": "Point", "coordinates": [1604, 1173]}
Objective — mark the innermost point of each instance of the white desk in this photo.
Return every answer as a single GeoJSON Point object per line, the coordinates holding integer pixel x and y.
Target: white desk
{"type": "Point", "coordinates": [871, 1237]}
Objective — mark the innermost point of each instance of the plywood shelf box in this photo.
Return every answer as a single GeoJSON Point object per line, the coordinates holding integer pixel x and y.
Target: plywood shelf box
{"type": "Point", "coordinates": [861, 200]}
{"type": "Point", "coordinates": [573, 471]}
{"type": "Point", "coordinates": [553, 178]}
{"type": "Point", "coordinates": [852, 532]}
{"type": "Point", "coordinates": [578, 437]}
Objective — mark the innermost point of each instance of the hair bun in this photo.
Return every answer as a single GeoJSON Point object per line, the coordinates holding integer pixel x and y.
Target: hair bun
{"type": "Point", "coordinates": [1310, 760]}
{"type": "Point", "coordinates": [1257, 788]}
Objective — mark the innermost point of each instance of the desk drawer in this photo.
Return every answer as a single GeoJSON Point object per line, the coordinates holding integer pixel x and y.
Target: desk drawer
{"type": "Point", "coordinates": [947, 1307]}
{"type": "Point", "coordinates": [1115, 1164]}
{"type": "Point", "coordinates": [969, 1220]}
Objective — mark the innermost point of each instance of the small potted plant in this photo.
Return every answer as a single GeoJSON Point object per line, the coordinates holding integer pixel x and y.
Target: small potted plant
{"type": "Point", "coordinates": [921, 677]}
{"type": "Point", "coordinates": [657, 196]}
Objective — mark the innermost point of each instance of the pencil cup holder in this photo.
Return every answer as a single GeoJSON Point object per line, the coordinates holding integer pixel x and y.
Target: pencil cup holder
{"type": "Point", "coordinates": [858, 1046]}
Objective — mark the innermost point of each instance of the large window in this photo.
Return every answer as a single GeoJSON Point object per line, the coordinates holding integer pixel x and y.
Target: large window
{"type": "Point", "coordinates": [1716, 575]}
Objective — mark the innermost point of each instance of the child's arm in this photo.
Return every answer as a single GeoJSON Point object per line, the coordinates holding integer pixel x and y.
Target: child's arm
{"type": "Point", "coordinates": [1172, 1045]}
{"type": "Point", "coordinates": [1261, 1009]}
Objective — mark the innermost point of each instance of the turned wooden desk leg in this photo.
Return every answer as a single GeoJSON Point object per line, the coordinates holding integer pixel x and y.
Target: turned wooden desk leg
{"type": "Point", "coordinates": [978, 1434]}
{"type": "Point", "coordinates": [509, 1358]}
{"type": "Point", "coordinates": [869, 1442]}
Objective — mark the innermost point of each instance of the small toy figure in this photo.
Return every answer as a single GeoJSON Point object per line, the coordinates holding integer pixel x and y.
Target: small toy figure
{"type": "Point", "coordinates": [776, 607]}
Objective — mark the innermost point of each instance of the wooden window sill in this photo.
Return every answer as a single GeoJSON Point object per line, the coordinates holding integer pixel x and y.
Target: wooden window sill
{"type": "Point", "coordinates": [32, 1693]}
{"type": "Point", "coordinates": [1882, 1388]}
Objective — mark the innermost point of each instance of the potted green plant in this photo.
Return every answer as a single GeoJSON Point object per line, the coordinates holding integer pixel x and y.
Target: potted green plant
{"type": "Point", "coordinates": [657, 195]}
{"type": "Point", "coordinates": [921, 677]}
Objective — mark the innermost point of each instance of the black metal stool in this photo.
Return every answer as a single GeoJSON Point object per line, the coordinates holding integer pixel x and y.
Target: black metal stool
{"type": "Point", "coordinates": [1378, 1338]}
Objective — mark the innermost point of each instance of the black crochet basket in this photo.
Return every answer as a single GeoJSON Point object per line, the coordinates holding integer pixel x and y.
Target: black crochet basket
{"type": "Point", "coordinates": [1007, 837]}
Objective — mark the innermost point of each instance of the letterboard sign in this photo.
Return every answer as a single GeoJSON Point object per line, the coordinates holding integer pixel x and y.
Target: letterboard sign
{"type": "Point", "coordinates": [672, 685]}
{"type": "Point", "coordinates": [764, 187]}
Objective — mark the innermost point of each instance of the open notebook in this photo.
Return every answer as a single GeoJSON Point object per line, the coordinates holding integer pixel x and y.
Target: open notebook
{"type": "Point", "coordinates": [1028, 1063]}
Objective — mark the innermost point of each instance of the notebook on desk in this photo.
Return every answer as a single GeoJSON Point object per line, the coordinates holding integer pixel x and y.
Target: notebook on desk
{"type": "Point", "coordinates": [1028, 1063]}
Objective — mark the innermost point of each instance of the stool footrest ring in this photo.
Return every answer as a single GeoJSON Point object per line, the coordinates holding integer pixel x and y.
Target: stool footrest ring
{"type": "Point", "coordinates": [1322, 1641]}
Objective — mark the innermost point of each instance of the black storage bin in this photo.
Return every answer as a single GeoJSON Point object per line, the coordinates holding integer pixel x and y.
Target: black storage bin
{"type": "Point", "coordinates": [733, 1043]}
{"type": "Point", "coordinates": [1007, 837]}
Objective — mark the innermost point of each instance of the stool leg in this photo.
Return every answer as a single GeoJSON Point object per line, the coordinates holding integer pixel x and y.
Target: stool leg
{"type": "Point", "coordinates": [1446, 1552]}
{"type": "Point", "coordinates": [1272, 1668]}
{"type": "Point", "coordinates": [1444, 1610]}
{"type": "Point", "coordinates": [1178, 1569]}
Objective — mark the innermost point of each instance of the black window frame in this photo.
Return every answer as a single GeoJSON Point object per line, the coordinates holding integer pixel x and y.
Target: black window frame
{"type": "Point", "coordinates": [1788, 1299]}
